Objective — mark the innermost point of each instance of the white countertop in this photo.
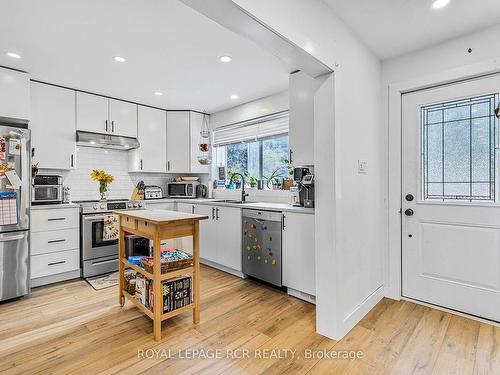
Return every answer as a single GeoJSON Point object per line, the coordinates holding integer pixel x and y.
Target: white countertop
{"type": "Point", "coordinates": [271, 206]}
{"type": "Point", "coordinates": [54, 206]}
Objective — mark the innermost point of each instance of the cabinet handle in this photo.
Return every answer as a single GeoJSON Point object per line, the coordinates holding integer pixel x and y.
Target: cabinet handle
{"type": "Point", "coordinates": [55, 263]}
{"type": "Point", "coordinates": [283, 221]}
{"type": "Point", "coordinates": [168, 165]}
{"type": "Point", "coordinates": [72, 160]}
{"type": "Point", "coordinates": [290, 156]}
{"type": "Point", "coordinates": [56, 219]}
{"type": "Point", "coordinates": [112, 126]}
{"type": "Point", "coordinates": [33, 152]}
{"type": "Point", "coordinates": [54, 241]}
{"type": "Point", "coordinates": [106, 125]}
{"type": "Point", "coordinates": [192, 209]}
{"type": "Point", "coordinates": [141, 165]}
{"type": "Point", "coordinates": [217, 214]}
{"type": "Point", "coordinates": [213, 213]}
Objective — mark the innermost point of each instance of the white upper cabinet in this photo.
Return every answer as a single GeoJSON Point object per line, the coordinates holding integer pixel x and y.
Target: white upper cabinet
{"type": "Point", "coordinates": [151, 156]}
{"type": "Point", "coordinates": [53, 123]}
{"type": "Point", "coordinates": [14, 94]}
{"type": "Point", "coordinates": [298, 252]}
{"type": "Point", "coordinates": [178, 142]}
{"type": "Point", "coordinates": [92, 113]}
{"type": "Point", "coordinates": [183, 136]}
{"type": "Point", "coordinates": [123, 118]}
{"type": "Point", "coordinates": [98, 114]}
{"type": "Point", "coordinates": [301, 127]}
{"type": "Point", "coordinates": [196, 121]}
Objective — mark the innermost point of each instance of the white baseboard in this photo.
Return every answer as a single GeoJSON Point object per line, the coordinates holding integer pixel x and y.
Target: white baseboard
{"type": "Point", "coordinates": [301, 295]}
{"type": "Point", "coordinates": [222, 268]}
{"type": "Point", "coordinates": [39, 281]}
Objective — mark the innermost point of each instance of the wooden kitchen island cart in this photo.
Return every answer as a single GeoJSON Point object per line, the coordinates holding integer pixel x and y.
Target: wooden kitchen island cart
{"type": "Point", "coordinates": [158, 225]}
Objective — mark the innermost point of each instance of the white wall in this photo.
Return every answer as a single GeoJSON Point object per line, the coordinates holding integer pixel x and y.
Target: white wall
{"type": "Point", "coordinates": [351, 267]}
{"type": "Point", "coordinates": [446, 62]}
{"type": "Point", "coordinates": [247, 111]}
{"type": "Point", "coordinates": [114, 162]}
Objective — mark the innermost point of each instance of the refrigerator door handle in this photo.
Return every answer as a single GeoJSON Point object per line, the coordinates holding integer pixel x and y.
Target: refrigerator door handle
{"type": "Point", "coordinates": [12, 238]}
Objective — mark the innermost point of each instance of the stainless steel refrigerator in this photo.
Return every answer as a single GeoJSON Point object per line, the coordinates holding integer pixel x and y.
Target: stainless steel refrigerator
{"type": "Point", "coordinates": [15, 188]}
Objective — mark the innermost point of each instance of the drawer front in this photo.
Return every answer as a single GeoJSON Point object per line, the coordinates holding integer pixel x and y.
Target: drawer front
{"type": "Point", "coordinates": [54, 263]}
{"type": "Point", "coordinates": [55, 219]}
{"type": "Point", "coordinates": [99, 266]}
{"type": "Point", "coordinates": [54, 241]}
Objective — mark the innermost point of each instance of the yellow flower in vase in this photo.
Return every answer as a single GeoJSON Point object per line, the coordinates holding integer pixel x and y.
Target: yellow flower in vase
{"type": "Point", "coordinates": [104, 180]}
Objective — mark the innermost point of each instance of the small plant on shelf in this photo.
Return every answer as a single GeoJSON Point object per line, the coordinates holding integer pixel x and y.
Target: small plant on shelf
{"type": "Point", "coordinates": [104, 180]}
{"type": "Point", "coordinates": [252, 181]}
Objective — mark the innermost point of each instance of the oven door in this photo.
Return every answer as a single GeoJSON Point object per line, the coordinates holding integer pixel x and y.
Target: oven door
{"type": "Point", "coordinates": [93, 245]}
{"type": "Point", "coordinates": [46, 194]}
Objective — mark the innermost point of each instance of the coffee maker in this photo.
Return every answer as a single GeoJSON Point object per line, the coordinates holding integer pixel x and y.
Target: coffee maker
{"type": "Point", "coordinates": [304, 177]}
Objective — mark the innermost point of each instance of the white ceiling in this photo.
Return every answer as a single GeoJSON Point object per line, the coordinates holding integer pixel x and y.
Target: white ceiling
{"type": "Point", "coordinates": [168, 46]}
{"type": "Point", "coordinates": [394, 27]}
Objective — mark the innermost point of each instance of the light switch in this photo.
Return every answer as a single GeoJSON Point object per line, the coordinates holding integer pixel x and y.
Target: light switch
{"type": "Point", "coordinates": [362, 166]}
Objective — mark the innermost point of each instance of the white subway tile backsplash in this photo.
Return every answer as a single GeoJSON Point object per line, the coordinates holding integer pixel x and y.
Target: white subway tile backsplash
{"type": "Point", "coordinates": [114, 162]}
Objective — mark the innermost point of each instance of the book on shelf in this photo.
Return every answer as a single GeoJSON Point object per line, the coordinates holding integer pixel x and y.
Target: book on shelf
{"type": "Point", "coordinates": [176, 293]}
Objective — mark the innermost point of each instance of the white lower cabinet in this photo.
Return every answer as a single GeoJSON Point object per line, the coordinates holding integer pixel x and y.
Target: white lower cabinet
{"type": "Point", "coordinates": [55, 245]}
{"type": "Point", "coordinates": [186, 243]}
{"type": "Point", "coordinates": [228, 233]}
{"type": "Point", "coordinates": [298, 252]}
{"type": "Point", "coordinates": [208, 232]}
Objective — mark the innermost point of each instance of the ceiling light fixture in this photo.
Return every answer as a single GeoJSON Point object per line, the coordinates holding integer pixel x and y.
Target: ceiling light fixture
{"type": "Point", "coordinates": [14, 55]}
{"type": "Point", "coordinates": [234, 97]}
{"type": "Point", "coordinates": [437, 4]}
{"type": "Point", "coordinates": [119, 59]}
{"type": "Point", "coordinates": [225, 59]}
{"type": "Point", "coordinates": [158, 93]}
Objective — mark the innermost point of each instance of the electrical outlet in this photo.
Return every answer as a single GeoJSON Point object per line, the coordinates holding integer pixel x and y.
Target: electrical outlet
{"type": "Point", "coordinates": [362, 166]}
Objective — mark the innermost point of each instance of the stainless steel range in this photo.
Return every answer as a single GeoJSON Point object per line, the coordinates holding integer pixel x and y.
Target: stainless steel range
{"type": "Point", "coordinates": [99, 255]}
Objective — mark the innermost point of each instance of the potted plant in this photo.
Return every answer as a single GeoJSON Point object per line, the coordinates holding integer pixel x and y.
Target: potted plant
{"type": "Point", "coordinates": [252, 181]}
{"type": "Point", "coordinates": [288, 181]}
{"type": "Point", "coordinates": [277, 183]}
{"type": "Point", "coordinates": [104, 180]}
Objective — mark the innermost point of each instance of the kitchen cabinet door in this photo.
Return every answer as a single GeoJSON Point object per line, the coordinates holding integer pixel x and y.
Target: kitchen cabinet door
{"type": "Point", "coordinates": [186, 243]}
{"type": "Point", "coordinates": [196, 121]}
{"type": "Point", "coordinates": [208, 233]}
{"type": "Point", "coordinates": [301, 126]}
{"type": "Point", "coordinates": [14, 94]}
{"type": "Point", "coordinates": [151, 156]}
{"type": "Point", "coordinates": [53, 122]}
{"type": "Point", "coordinates": [178, 142]}
{"type": "Point", "coordinates": [92, 113]}
{"type": "Point", "coordinates": [229, 237]}
{"type": "Point", "coordinates": [123, 118]}
{"type": "Point", "coordinates": [298, 252]}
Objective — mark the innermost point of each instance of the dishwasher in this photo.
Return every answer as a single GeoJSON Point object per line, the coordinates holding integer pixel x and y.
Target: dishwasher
{"type": "Point", "coordinates": [261, 245]}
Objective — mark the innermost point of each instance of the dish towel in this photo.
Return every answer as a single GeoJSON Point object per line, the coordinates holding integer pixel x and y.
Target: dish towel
{"type": "Point", "coordinates": [110, 229]}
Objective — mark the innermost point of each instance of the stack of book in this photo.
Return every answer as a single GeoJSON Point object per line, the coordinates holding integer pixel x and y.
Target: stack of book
{"type": "Point", "coordinates": [176, 293]}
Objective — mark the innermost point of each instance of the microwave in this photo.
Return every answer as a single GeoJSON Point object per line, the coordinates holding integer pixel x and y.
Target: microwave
{"type": "Point", "coordinates": [46, 189]}
{"type": "Point", "coordinates": [182, 189]}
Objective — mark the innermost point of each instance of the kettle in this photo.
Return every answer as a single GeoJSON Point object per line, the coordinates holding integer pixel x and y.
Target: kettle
{"type": "Point", "coordinates": [201, 191]}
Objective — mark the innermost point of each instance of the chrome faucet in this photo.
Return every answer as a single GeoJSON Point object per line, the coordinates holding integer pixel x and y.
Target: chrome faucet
{"type": "Point", "coordinates": [243, 193]}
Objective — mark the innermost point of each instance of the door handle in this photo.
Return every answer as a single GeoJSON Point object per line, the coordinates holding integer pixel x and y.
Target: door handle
{"type": "Point", "coordinates": [13, 238]}
{"type": "Point", "coordinates": [409, 197]}
{"type": "Point", "coordinates": [409, 212]}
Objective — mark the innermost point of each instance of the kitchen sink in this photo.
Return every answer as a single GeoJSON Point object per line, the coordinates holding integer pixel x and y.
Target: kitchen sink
{"type": "Point", "coordinates": [233, 201]}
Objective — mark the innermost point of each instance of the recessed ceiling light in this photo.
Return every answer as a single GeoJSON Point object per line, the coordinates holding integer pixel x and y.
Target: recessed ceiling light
{"type": "Point", "coordinates": [234, 97]}
{"type": "Point", "coordinates": [158, 93]}
{"type": "Point", "coordinates": [119, 59]}
{"type": "Point", "coordinates": [225, 58]}
{"type": "Point", "coordinates": [440, 4]}
{"type": "Point", "coordinates": [14, 55]}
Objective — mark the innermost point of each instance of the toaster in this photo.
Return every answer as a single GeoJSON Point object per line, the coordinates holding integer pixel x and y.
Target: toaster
{"type": "Point", "coordinates": [153, 192]}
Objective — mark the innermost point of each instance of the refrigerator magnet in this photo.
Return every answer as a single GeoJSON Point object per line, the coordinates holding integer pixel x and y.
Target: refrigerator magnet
{"type": "Point", "coordinates": [14, 179]}
{"type": "Point", "coordinates": [2, 148]}
{"type": "Point", "coordinates": [14, 146]}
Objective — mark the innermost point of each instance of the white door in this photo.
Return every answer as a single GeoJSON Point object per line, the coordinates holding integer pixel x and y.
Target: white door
{"type": "Point", "coordinates": [123, 118]}
{"type": "Point", "coordinates": [178, 142]}
{"type": "Point", "coordinates": [92, 113]}
{"type": "Point", "coordinates": [451, 215]}
{"type": "Point", "coordinates": [229, 237]}
{"type": "Point", "coordinates": [298, 252]}
{"type": "Point", "coordinates": [208, 247]}
{"type": "Point", "coordinates": [151, 155]}
{"type": "Point", "coordinates": [53, 120]}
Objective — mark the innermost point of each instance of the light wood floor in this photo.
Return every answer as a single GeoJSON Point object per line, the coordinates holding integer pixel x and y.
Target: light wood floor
{"type": "Point", "coordinates": [69, 328]}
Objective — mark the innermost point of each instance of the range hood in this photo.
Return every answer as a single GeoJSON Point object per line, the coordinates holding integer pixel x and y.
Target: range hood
{"type": "Point", "coordinates": [115, 142]}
